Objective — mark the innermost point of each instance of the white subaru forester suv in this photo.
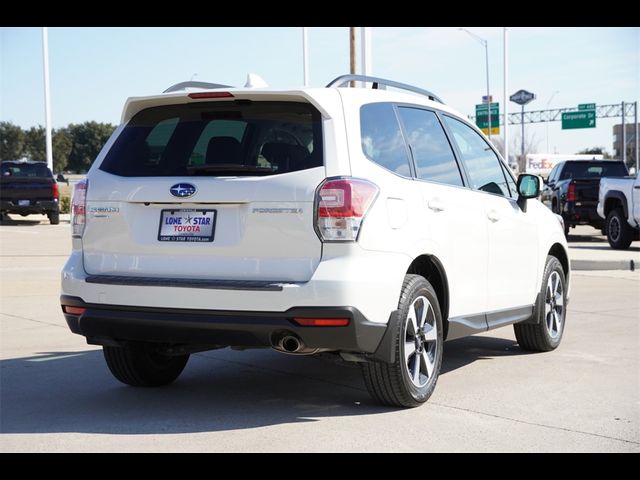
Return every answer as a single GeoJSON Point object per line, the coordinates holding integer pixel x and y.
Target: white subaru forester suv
{"type": "Point", "coordinates": [369, 222]}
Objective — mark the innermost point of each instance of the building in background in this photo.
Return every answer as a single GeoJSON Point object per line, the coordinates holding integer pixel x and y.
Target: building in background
{"type": "Point", "coordinates": [617, 142]}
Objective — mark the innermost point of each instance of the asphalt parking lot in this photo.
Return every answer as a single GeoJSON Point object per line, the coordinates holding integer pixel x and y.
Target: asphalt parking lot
{"type": "Point", "coordinates": [56, 393]}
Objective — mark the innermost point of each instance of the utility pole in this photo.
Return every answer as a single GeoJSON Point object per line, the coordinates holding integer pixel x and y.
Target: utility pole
{"type": "Point", "coordinates": [504, 96]}
{"type": "Point", "coordinates": [305, 57]}
{"type": "Point", "coordinates": [47, 99]}
{"type": "Point", "coordinates": [352, 52]}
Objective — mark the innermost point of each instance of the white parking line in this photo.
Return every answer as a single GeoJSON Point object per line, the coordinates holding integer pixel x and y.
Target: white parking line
{"type": "Point", "coordinates": [54, 357]}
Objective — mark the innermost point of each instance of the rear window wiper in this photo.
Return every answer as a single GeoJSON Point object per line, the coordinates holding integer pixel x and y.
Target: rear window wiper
{"type": "Point", "coordinates": [228, 168]}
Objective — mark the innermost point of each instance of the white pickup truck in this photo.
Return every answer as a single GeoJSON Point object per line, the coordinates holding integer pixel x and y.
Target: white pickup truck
{"type": "Point", "coordinates": [619, 204]}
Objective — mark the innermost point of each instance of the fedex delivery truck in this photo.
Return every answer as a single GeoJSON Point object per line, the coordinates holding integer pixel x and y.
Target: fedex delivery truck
{"type": "Point", "coordinates": [542, 163]}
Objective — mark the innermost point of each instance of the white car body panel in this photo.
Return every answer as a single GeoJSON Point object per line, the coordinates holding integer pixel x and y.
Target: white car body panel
{"type": "Point", "coordinates": [490, 265]}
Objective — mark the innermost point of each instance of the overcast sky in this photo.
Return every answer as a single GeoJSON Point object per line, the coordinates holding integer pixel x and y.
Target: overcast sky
{"type": "Point", "coordinates": [93, 70]}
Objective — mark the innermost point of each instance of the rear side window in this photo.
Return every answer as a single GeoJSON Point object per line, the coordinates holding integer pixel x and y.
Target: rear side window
{"type": "Point", "coordinates": [429, 145]}
{"type": "Point", "coordinates": [239, 138]}
{"type": "Point", "coordinates": [25, 170]}
{"type": "Point", "coordinates": [381, 138]}
{"type": "Point", "coordinates": [593, 170]}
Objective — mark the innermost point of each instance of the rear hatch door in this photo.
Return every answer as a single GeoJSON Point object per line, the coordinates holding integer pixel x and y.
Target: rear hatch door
{"type": "Point", "coordinates": [209, 190]}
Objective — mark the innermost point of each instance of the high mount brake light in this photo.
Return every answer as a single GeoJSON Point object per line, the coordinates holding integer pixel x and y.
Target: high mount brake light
{"type": "Point", "coordinates": [210, 95]}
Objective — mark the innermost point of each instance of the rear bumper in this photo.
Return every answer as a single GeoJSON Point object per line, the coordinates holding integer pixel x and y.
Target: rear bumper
{"type": "Point", "coordinates": [116, 323]}
{"type": "Point", "coordinates": [582, 215]}
{"type": "Point", "coordinates": [354, 278]}
{"type": "Point", "coordinates": [35, 207]}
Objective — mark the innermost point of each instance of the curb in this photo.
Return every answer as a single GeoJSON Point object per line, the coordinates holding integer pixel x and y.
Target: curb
{"type": "Point", "coordinates": [628, 265]}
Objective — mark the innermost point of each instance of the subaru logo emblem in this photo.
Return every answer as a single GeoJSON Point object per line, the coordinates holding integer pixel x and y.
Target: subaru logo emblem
{"type": "Point", "coordinates": [182, 190]}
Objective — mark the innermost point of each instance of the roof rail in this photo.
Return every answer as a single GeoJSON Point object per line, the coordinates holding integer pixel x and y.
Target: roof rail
{"type": "Point", "coordinates": [342, 80]}
{"type": "Point", "coordinates": [185, 85]}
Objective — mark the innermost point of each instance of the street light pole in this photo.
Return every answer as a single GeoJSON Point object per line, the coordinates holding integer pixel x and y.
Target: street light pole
{"type": "Point", "coordinates": [485, 44]}
{"type": "Point", "coordinates": [547, 107]}
{"type": "Point", "coordinates": [305, 57]}
{"type": "Point", "coordinates": [505, 89]}
{"type": "Point", "coordinates": [47, 97]}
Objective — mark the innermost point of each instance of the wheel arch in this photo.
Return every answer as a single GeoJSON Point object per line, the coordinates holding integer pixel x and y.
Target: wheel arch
{"type": "Point", "coordinates": [431, 268]}
{"type": "Point", "coordinates": [558, 251]}
{"type": "Point", "coordinates": [612, 200]}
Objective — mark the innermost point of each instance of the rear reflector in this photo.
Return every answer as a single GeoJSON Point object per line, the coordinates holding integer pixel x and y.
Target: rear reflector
{"type": "Point", "coordinates": [322, 322]}
{"type": "Point", "coordinates": [73, 310]}
{"type": "Point", "coordinates": [210, 95]}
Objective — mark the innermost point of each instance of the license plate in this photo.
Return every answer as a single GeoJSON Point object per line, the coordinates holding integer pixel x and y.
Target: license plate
{"type": "Point", "coordinates": [187, 225]}
{"type": "Point", "coordinates": [24, 203]}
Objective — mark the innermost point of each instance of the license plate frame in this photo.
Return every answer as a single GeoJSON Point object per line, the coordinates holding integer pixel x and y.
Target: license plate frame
{"type": "Point", "coordinates": [186, 236]}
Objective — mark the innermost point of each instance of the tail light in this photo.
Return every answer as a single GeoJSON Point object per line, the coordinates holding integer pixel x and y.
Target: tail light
{"type": "Point", "coordinates": [341, 205]}
{"type": "Point", "coordinates": [571, 192]}
{"type": "Point", "coordinates": [55, 192]}
{"type": "Point", "coordinates": [79, 208]}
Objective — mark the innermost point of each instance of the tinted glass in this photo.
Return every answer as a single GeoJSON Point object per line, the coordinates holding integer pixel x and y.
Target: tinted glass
{"type": "Point", "coordinates": [577, 169]}
{"type": "Point", "coordinates": [430, 148]}
{"type": "Point", "coordinates": [483, 166]}
{"type": "Point", "coordinates": [218, 139]}
{"type": "Point", "coordinates": [511, 184]}
{"type": "Point", "coordinates": [381, 138]}
{"type": "Point", "coordinates": [8, 169]}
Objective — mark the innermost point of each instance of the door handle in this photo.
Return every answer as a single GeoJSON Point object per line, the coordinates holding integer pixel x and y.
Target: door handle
{"type": "Point", "coordinates": [493, 215]}
{"type": "Point", "coordinates": [435, 204]}
{"type": "Point", "coordinates": [637, 186]}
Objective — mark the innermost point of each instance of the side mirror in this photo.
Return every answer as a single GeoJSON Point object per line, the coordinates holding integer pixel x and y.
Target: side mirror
{"type": "Point", "coordinates": [528, 187]}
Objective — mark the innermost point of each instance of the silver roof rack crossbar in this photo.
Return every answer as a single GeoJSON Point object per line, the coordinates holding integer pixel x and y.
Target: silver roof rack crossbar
{"type": "Point", "coordinates": [185, 85]}
{"type": "Point", "coordinates": [381, 83]}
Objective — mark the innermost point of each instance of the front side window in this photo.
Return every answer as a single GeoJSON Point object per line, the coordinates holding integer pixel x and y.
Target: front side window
{"type": "Point", "coordinates": [218, 139]}
{"type": "Point", "coordinates": [481, 163]}
{"type": "Point", "coordinates": [381, 138]}
{"type": "Point", "coordinates": [429, 145]}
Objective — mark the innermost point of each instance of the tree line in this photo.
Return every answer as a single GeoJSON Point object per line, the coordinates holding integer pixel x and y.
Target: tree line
{"type": "Point", "coordinates": [75, 146]}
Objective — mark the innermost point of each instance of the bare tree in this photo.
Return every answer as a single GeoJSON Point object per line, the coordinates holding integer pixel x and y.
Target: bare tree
{"type": "Point", "coordinates": [531, 144]}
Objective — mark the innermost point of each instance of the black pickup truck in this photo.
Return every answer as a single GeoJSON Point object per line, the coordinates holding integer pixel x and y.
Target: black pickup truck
{"type": "Point", "coordinates": [571, 190]}
{"type": "Point", "coordinates": [28, 188]}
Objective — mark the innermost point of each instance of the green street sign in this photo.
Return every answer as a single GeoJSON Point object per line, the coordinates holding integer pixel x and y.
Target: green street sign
{"type": "Point", "coordinates": [579, 119]}
{"type": "Point", "coordinates": [587, 106]}
{"type": "Point", "coordinates": [482, 115]}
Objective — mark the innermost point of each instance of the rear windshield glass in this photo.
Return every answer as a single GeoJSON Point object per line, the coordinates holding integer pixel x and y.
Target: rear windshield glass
{"type": "Point", "coordinates": [24, 170]}
{"type": "Point", "coordinates": [219, 139]}
{"type": "Point", "coordinates": [593, 170]}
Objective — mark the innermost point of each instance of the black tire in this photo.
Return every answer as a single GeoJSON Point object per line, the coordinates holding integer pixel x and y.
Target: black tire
{"type": "Point", "coordinates": [140, 365]}
{"type": "Point", "coordinates": [542, 336]}
{"type": "Point", "coordinates": [390, 383]}
{"type": "Point", "coordinates": [619, 232]}
{"type": "Point", "coordinates": [54, 218]}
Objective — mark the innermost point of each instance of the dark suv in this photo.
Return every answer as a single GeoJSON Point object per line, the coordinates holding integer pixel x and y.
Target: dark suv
{"type": "Point", "coordinates": [28, 188]}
